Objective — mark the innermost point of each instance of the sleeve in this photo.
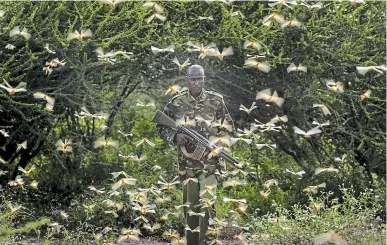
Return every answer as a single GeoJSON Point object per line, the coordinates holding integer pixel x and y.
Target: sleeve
{"type": "Point", "coordinates": [167, 133]}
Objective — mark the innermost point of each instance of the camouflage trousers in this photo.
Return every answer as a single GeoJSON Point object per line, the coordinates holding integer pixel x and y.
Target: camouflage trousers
{"type": "Point", "coordinates": [191, 193]}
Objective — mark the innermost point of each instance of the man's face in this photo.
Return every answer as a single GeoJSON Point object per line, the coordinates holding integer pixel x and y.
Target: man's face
{"type": "Point", "coordinates": [195, 81]}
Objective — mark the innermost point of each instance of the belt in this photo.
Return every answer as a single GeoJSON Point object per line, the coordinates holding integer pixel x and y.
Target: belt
{"type": "Point", "coordinates": [191, 172]}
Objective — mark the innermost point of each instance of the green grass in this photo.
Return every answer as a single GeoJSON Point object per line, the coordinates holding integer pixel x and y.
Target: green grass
{"type": "Point", "coordinates": [355, 219]}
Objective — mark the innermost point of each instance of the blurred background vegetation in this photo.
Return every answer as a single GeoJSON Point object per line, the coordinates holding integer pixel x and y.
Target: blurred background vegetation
{"type": "Point", "coordinates": [332, 40]}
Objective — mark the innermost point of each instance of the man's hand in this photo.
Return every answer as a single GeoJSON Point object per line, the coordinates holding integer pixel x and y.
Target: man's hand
{"type": "Point", "coordinates": [182, 139]}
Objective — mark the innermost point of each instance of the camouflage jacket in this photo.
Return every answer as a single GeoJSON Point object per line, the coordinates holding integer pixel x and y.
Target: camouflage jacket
{"type": "Point", "coordinates": [205, 114]}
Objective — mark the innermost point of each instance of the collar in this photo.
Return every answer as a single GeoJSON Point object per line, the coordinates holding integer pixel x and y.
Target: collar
{"type": "Point", "coordinates": [202, 96]}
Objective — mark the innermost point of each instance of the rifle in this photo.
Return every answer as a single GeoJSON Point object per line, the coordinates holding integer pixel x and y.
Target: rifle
{"type": "Point", "coordinates": [202, 143]}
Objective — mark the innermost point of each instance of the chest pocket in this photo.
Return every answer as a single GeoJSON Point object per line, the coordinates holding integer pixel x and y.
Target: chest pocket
{"type": "Point", "coordinates": [183, 109]}
{"type": "Point", "coordinates": [205, 111]}
{"type": "Point", "coordinates": [208, 109]}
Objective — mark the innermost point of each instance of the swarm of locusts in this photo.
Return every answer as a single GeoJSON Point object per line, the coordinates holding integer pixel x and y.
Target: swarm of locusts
{"type": "Point", "coordinates": [148, 203]}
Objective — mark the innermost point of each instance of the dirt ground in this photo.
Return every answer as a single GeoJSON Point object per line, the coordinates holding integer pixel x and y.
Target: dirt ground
{"type": "Point", "coordinates": [226, 238]}
{"type": "Point", "coordinates": [142, 241]}
{"type": "Point", "coordinates": [152, 241]}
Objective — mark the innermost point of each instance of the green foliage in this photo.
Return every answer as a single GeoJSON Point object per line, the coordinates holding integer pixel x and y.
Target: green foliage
{"type": "Point", "coordinates": [11, 228]}
{"type": "Point", "coordinates": [307, 223]}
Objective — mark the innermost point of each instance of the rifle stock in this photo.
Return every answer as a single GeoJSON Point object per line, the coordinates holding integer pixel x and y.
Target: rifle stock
{"type": "Point", "coordinates": [162, 119]}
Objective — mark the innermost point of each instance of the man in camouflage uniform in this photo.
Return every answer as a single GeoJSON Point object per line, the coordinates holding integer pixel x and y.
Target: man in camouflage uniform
{"type": "Point", "coordinates": [205, 112]}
